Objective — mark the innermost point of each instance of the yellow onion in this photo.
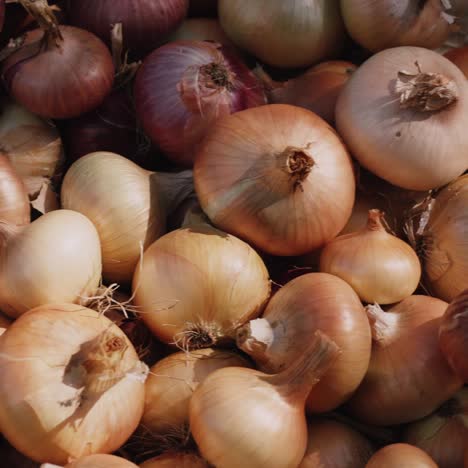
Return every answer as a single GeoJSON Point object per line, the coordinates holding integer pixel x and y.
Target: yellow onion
{"type": "Point", "coordinates": [127, 204]}
{"type": "Point", "coordinates": [402, 115]}
{"type": "Point", "coordinates": [401, 455]}
{"type": "Point", "coordinates": [439, 233]}
{"type": "Point", "coordinates": [243, 417]}
{"type": "Point", "coordinates": [200, 29]}
{"type": "Point", "coordinates": [315, 301]}
{"type": "Point", "coordinates": [379, 266]}
{"type": "Point", "coordinates": [408, 376]}
{"type": "Point", "coordinates": [267, 174]}
{"type": "Point", "coordinates": [96, 461]}
{"type": "Point", "coordinates": [72, 384]}
{"type": "Point", "coordinates": [175, 460]}
{"type": "Point", "coordinates": [334, 444]}
{"type": "Point", "coordinates": [171, 383]}
{"type": "Point", "coordinates": [292, 34]}
{"type": "Point", "coordinates": [444, 434]}
{"type": "Point", "coordinates": [386, 23]}
{"type": "Point", "coordinates": [197, 284]}
{"type": "Point", "coordinates": [56, 258]}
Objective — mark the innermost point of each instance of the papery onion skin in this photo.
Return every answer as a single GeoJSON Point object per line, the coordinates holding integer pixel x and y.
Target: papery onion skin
{"type": "Point", "coordinates": [459, 57]}
{"type": "Point", "coordinates": [203, 282]}
{"type": "Point", "coordinates": [179, 460]}
{"type": "Point", "coordinates": [399, 455]}
{"type": "Point", "coordinates": [314, 301]}
{"type": "Point", "coordinates": [67, 376]}
{"type": "Point", "coordinates": [380, 267]}
{"type": "Point", "coordinates": [99, 460]}
{"type": "Point", "coordinates": [444, 434]}
{"type": "Point", "coordinates": [200, 29]}
{"type": "Point", "coordinates": [60, 82]}
{"type": "Point", "coordinates": [408, 377]}
{"type": "Point", "coordinates": [453, 335]}
{"type": "Point", "coordinates": [266, 175]}
{"type": "Point", "coordinates": [410, 148]}
{"type": "Point", "coordinates": [289, 34]}
{"type": "Point", "coordinates": [185, 86]}
{"type": "Point", "coordinates": [384, 24]}
{"type": "Point", "coordinates": [145, 23]}
{"type": "Point", "coordinates": [63, 256]}
{"type": "Point", "coordinates": [173, 380]}
{"type": "Point", "coordinates": [334, 444]}
{"type": "Point", "coordinates": [33, 146]}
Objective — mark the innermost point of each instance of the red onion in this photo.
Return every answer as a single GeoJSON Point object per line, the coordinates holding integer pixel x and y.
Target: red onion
{"type": "Point", "coordinates": [59, 75]}
{"type": "Point", "coordinates": [146, 23]}
{"type": "Point", "coordinates": [184, 86]}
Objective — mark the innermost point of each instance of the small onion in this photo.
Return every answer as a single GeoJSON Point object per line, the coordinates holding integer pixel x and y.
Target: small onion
{"type": "Point", "coordinates": [32, 145]}
{"type": "Point", "coordinates": [200, 29]}
{"type": "Point", "coordinates": [96, 461]}
{"type": "Point", "coordinates": [289, 34]}
{"type": "Point", "coordinates": [380, 267]}
{"type": "Point", "coordinates": [459, 57]}
{"type": "Point", "coordinates": [386, 23]}
{"type": "Point", "coordinates": [127, 204]}
{"type": "Point", "coordinates": [408, 377]}
{"type": "Point", "coordinates": [197, 284]}
{"type": "Point", "coordinates": [402, 115]}
{"type": "Point", "coordinates": [444, 434]}
{"type": "Point", "coordinates": [440, 236]}
{"type": "Point", "coordinates": [183, 87]}
{"type": "Point", "coordinates": [171, 383]}
{"type": "Point", "coordinates": [72, 384]}
{"type": "Point", "coordinates": [146, 23]}
{"type": "Point", "coordinates": [266, 175]}
{"type": "Point", "coordinates": [173, 460]}
{"type": "Point", "coordinates": [453, 335]}
{"type": "Point", "coordinates": [314, 301]}
{"type": "Point", "coordinates": [61, 73]}
{"type": "Point", "coordinates": [334, 444]}
{"type": "Point", "coordinates": [401, 455]}
{"type": "Point", "coordinates": [243, 417]}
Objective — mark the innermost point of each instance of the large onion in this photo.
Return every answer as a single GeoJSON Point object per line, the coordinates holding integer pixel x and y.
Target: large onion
{"type": "Point", "coordinates": [403, 116]}
{"type": "Point", "coordinates": [266, 175]}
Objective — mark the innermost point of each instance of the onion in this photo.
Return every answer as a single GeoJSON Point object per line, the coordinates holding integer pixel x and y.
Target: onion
{"type": "Point", "coordinates": [146, 23]}
{"type": "Point", "coordinates": [380, 267]}
{"type": "Point", "coordinates": [453, 335]}
{"type": "Point", "coordinates": [127, 204]}
{"type": "Point", "coordinates": [4, 324]}
{"type": "Point", "coordinates": [179, 460]}
{"type": "Point", "coordinates": [200, 29]}
{"type": "Point", "coordinates": [459, 57]}
{"type": "Point", "coordinates": [32, 145]}
{"type": "Point", "coordinates": [243, 417]}
{"type": "Point", "coordinates": [333, 444]}
{"type": "Point", "coordinates": [71, 384]}
{"type": "Point", "coordinates": [439, 234]}
{"type": "Point", "coordinates": [384, 24]}
{"type": "Point", "coordinates": [59, 73]}
{"type": "Point", "coordinates": [292, 34]}
{"type": "Point", "coordinates": [458, 7]}
{"type": "Point", "coordinates": [183, 87]}
{"type": "Point", "coordinates": [395, 129]}
{"type": "Point", "coordinates": [444, 434]}
{"type": "Point", "coordinates": [197, 284]}
{"type": "Point", "coordinates": [399, 455]}
{"type": "Point", "coordinates": [314, 301]}
{"type": "Point", "coordinates": [266, 175]}
{"type": "Point", "coordinates": [171, 384]}
{"type": "Point", "coordinates": [63, 256]}
{"type": "Point", "coordinates": [408, 377]}
{"type": "Point", "coordinates": [317, 89]}
{"type": "Point", "coordinates": [96, 461]}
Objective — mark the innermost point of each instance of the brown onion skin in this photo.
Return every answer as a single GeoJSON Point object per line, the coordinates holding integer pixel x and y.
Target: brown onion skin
{"type": "Point", "coordinates": [176, 460]}
{"type": "Point", "coordinates": [453, 335]}
{"type": "Point", "coordinates": [146, 23]}
{"type": "Point", "coordinates": [459, 57]}
{"type": "Point", "coordinates": [101, 460]}
{"type": "Point", "coordinates": [174, 114]}
{"type": "Point", "coordinates": [60, 82]}
{"type": "Point", "coordinates": [399, 456]}
{"type": "Point", "coordinates": [335, 445]}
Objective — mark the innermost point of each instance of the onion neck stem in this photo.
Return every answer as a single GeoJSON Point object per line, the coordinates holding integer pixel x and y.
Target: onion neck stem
{"type": "Point", "coordinates": [124, 71]}
{"type": "Point", "coordinates": [374, 220]}
{"type": "Point", "coordinates": [383, 324]}
{"type": "Point", "coordinates": [296, 382]}
{"type": "Point", "coordinates": [255, 338]}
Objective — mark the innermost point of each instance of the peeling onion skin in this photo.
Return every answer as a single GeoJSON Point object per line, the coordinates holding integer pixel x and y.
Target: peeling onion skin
{"type": "Point", "coordinates": [399, 455]}
{"type": "Point", "coordinates": [408, 147]}
{"type": "Point", "coordinates": [53, 83]}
